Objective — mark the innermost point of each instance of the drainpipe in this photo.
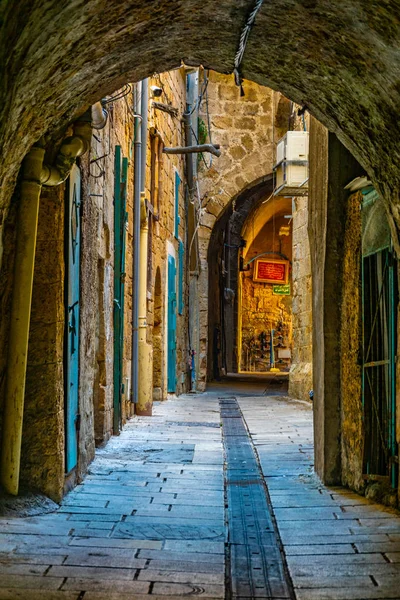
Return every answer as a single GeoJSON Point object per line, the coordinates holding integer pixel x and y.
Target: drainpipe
{"type": "Point", "coordinates": [190, 120]}
{"type": "Point", "coordinates": [145, 397]}
{"type": "Point", "coordinates": [34, 174]}
{"type": "Point", "coordinates": [20, 319]}
{"type": "Point", "coordinates": [137, 142]}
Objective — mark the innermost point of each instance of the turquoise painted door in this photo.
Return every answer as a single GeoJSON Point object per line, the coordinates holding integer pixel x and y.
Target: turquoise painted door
{"type": "Point", "coordinates": [171, 356]}
{"type": "Point", "coordinates": [72, 319]}
{"type": "Point", "coordinates": [120, 220]}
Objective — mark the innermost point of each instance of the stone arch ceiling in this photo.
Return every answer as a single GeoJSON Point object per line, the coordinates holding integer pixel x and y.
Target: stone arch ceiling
{"type": "Point", "coordinates": [341, 58]}
{"type": "Point", "coordinates": [257, 219]}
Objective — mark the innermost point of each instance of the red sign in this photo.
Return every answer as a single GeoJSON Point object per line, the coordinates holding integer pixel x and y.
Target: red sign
{"type": "Point", "coordinates": [271, 271]}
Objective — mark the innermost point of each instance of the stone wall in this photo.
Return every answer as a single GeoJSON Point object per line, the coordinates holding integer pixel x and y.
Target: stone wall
{"type": "Point", "coordinates": [331, 168]}
{"type": "Point", "coordinates": [300, 378]}
{"type": "Point", "coordinates": [319, 54]}
{"type": "Point", "coordinates": [351, 350]}
{"type": "Point", "coordinates": [42, 459]}
{"type": "Point", "coordinates": [162, 235]}
{"type": "Point", "coordinates": [43, 453]}
{"type": "Point", "coordinates": [243, 126]}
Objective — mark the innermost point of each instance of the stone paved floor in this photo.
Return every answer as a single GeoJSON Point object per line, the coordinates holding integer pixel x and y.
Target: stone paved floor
{"type": "Point", "coordinates": [150, 516]}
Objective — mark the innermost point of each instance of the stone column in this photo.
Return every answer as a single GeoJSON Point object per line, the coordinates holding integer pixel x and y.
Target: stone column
{"type": "Point", "coordinates": [331, 168]}
{"type": "Point", "coordinates": [300, 377]}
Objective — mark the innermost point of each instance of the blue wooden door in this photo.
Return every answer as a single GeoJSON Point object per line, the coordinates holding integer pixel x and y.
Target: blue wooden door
{"type": "Point", "coordinates": [72, 318]}
{"type": "Point", "coordinates": [120, 220]}
{"type": "Point", "coordinates": [171, 356]}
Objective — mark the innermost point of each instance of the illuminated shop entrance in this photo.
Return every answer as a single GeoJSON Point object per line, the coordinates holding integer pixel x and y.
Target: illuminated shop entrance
{"type": "Point", "coordinates": [265, 289]}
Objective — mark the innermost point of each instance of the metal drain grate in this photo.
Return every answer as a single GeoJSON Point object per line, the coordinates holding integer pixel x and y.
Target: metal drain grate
{"type": "Point", "coordinates": [255, 564]}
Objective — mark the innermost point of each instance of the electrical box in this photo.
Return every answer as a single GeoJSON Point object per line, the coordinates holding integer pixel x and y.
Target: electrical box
{"type": "Point", "coordinates": [291, 169]}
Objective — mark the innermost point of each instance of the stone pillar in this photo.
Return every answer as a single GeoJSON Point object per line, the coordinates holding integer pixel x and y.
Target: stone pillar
{"type": "Point", "coordinates": [331, 168]}
{"type": "Point", "coordinates": [300, 377]}
{"type": "Point", "coordinates": [42, 461]}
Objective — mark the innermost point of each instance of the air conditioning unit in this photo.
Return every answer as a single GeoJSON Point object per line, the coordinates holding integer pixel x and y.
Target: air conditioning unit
{"type": "Point", "coordinates": [291, 169]}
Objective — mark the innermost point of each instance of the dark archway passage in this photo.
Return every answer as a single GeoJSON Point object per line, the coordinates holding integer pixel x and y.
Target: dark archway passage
{"type": "Point", "coordinates": [223, 261]}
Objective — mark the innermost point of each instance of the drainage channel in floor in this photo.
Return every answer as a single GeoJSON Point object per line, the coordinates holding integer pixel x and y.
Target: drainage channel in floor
{"type": "Point", "coordinates": [255, 562]}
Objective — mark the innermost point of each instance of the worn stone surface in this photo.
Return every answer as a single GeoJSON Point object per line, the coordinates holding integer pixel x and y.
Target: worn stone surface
{"type": "Point", "coordinates": [147, 519]}
{"type": "Point", "coordinates": [300, 378]}
{"type": "Point", "coordinates": [331, 168]}
{"type": "Point", "coordinates": [351, 350]}
{"type": "Point", "coordinates": [335, 541]}
{"type": "Point", "coordinates": [42, 458]}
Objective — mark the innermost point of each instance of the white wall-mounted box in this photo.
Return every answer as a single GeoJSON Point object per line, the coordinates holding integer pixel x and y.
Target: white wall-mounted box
{"type": "Point", "coordinates": [291, 169]}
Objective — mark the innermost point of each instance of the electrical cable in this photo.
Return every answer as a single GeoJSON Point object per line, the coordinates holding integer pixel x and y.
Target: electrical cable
{"type": "Point", "coordinates": [208, 120]}
{"type": "Point", "coordinates": [127, 89]}
{"type": "Point", "coordinates": [204, 86]}
{"type": "Point", "coordinates": [242, 44]}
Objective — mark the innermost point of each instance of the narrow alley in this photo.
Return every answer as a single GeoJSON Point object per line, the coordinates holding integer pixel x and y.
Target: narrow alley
{"type": "Point", "coordinates": [175, 506]}
{"type": "Point", "coordinates": [199, 299]}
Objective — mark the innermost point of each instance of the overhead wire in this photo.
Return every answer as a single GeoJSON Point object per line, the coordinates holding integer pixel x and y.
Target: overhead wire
{"type": "Point", "coordinates": [127, 89]}
{"type": "Point", "coordinates": [242, 44]}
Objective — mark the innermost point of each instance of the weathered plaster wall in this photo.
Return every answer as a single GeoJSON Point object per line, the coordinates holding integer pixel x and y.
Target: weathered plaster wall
{"type": "Point", "coordinates": [351, 349]}
{"type": "Point", "coordinates": [300, 378]}
{"type": "Point", "coordinates": [42, 460]}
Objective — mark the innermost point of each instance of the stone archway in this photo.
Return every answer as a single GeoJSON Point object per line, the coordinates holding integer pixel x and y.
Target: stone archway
{"type": "Point", "coordinates": [339, 58]}
{"type": "Point", "coordinates": [223, 304]}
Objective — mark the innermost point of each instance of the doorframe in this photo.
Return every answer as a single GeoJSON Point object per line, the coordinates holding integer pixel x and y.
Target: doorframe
{"type": "Point", "coordinates": [170, 251]}
{"type": "Point", "coordinates": [70, 469]}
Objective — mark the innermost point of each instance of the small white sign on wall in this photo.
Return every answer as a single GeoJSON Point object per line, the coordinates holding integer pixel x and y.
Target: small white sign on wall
{"type": "Point", "coordinates": [284, 353]}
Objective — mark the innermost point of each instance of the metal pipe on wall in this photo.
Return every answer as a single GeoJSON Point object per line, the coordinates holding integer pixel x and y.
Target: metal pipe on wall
{"type": "Point", "coordinates": [136, 239]}
{"type": "Point", "coordinates": [144, 404]}
{"type": "Point", "coordinates": [28, 214]}
{"type": "Point", "coordinates": [35, 174]}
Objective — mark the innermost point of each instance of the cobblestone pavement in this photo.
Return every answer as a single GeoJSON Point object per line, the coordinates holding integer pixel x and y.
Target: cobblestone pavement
{"type": "Point", "coordinates": [150, 518]}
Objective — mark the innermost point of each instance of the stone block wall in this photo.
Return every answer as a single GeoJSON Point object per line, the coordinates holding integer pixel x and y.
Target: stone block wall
{"type": "Point", "coordinates": [97, 279]}
{"type": "Point", "coordinates": [162, 234]}
{"type": "Point", "coordinates": [243, 126]}
{"type": "Point", "coordinates": [351, 350]}
{"type": "Point", "coordinates": [42, 459]}
{"type": "Point", "coordinates": [300, 377]}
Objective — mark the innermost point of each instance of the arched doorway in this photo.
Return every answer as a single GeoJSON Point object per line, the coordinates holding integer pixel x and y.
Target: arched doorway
{"type": "Point", "coordinates": [265, 303]}
{"type": "Point", "coordinates": [223, 260]}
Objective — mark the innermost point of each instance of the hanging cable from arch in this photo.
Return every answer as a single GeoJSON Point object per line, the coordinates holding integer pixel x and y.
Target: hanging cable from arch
{"type": "Point", "coordinates": [242, 44]}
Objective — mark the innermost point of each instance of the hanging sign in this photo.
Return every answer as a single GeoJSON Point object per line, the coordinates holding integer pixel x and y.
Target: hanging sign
{"type": "Point", "coordinates": [281, 290]}
{"type": "Point", "coordinates": [271, 271]}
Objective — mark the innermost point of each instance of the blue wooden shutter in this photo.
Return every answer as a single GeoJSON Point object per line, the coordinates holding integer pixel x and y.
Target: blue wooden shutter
{"type": "Point", "coordinates": [177, 184]}
{"type": "Point", "coordinates": [171, 325]}
{"type": "Point", "coordinates": [181, 276]}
